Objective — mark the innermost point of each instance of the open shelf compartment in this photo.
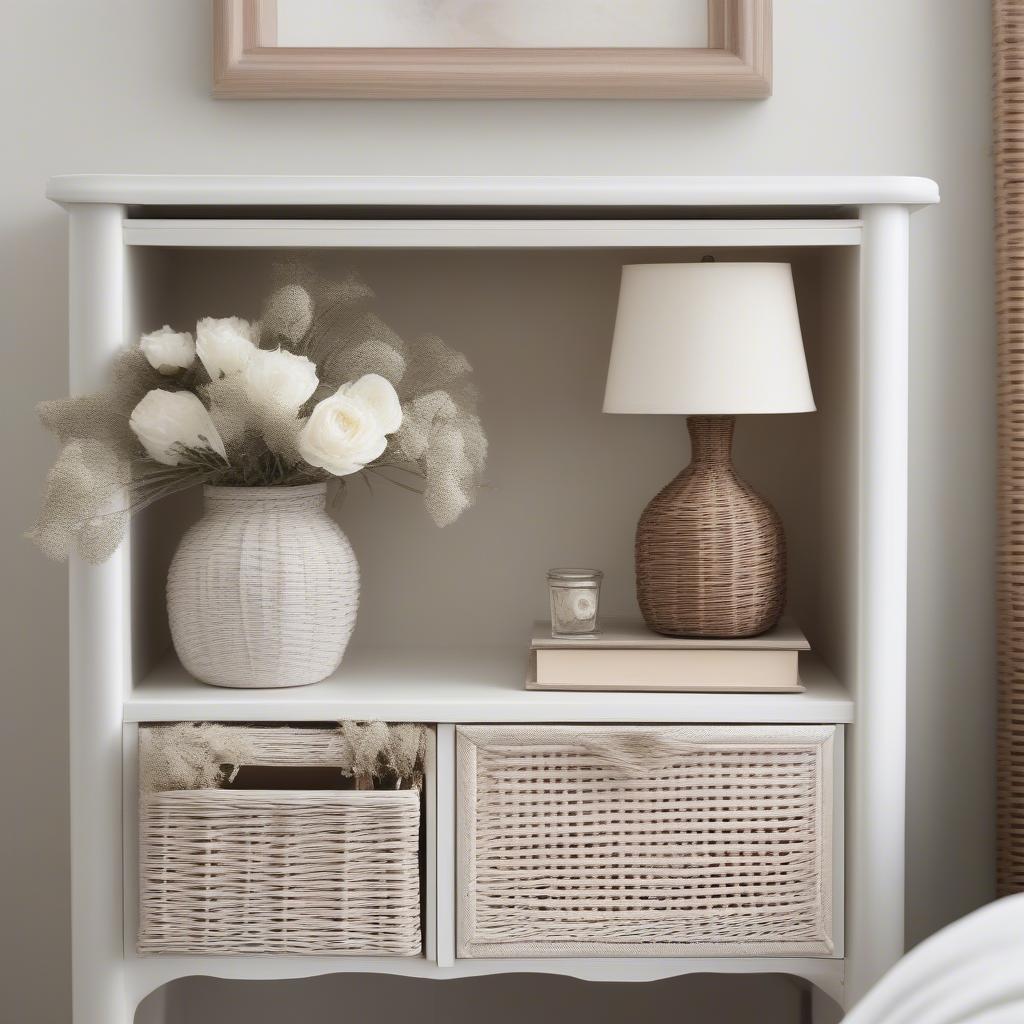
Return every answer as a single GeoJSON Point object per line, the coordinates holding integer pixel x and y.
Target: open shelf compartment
{"type": "Point", "coordinates": [565, 483]}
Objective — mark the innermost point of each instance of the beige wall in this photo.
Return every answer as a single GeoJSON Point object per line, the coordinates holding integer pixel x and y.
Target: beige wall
{"type": "Point", "coordinates": [872, 87]}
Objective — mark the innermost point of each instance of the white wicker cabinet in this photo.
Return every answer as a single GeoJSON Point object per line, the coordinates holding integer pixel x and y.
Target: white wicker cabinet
{"type": "Point", "coordinates": [851, 232]}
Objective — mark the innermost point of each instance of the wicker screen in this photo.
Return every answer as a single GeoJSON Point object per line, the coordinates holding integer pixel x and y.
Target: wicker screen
{"type": "Point", "coordinates": [1008, 63]}
{"type": "Point", "coordinates": [642, 841]}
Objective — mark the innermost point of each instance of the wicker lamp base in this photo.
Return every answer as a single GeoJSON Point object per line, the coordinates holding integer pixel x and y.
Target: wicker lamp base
{"type": "Point", "coordinates": [710, 551]}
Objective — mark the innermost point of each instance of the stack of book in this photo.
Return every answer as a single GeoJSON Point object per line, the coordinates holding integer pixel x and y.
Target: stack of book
{"type": "Point", "coordinates": [626, 655]}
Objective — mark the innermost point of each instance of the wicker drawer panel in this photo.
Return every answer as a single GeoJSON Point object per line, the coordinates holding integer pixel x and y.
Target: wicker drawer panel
{"type": "Point", "coordinates": [645, 841]}
{"type": "Point", "coordinates": [232, 871]}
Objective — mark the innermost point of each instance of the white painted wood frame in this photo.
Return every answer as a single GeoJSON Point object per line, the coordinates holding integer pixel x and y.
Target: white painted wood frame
{"type": "Point", "coordinates": [396, 233]}
{"type": "Point", "coordinates": [248, 64]}
{"type": "Point", "coordinates": [111, 217]}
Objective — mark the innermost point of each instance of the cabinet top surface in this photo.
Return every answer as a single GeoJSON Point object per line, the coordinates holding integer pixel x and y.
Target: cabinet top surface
{"type": "Point", "coordinates": [465, 686]}
{"type": "Point", "coordinates": [489, 190]}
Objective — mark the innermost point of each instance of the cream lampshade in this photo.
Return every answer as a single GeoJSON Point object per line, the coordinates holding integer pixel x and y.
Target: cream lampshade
{"type": "Point", "coordinates": [710, 341]}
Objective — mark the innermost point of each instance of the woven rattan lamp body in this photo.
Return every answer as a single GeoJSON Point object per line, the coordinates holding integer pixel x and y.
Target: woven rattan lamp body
{"type": "Point", "coordinates": [710, 551]}
{"type": "Point", "coordinates": [709, 340]}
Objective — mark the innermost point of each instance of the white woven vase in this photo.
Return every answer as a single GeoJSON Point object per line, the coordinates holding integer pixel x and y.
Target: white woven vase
{"type": "Point", "coordinates": [263, 590]}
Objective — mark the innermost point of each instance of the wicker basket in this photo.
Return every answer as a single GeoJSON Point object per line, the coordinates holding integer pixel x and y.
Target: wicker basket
{"type": "Point", "coordinates": [645, 841]}
{"type": "Point", "coordinates": [280, 871]}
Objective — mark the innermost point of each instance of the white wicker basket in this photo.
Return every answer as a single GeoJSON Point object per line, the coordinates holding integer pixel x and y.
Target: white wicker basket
{"type": "Point", "coordinates": [263, 590]}
{"type": "Point", "coordinates": [645, 841]}
{"type": "Point", "coordinates": [276, 871]}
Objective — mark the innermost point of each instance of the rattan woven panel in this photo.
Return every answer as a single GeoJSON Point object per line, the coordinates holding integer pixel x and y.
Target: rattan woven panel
{"type": "Point", "coordinates": [640, 841]}
{"type": "Point", "coordinates": [1008, 65]}
{"type": "Point", "coordinates": [710, 551]}
{"type": "Point", "coordinates": [234, 871]}
{"type": "Point", "coordinates": [268, 871]}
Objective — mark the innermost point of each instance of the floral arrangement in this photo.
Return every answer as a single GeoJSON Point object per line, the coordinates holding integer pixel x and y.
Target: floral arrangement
{"type": "Point", "coordinates": [318, 388]}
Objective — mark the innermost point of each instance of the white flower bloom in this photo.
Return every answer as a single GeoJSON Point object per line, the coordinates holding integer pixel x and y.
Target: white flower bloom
{"type": "Point", "coordinates": [168, 350]}
{"type": "Point", "coordinates": [280, 378]}
{"type": "Point", "coordinates": [224, 346]}
{"type": "Point", "coordinates": [164, 419]}
{"type": "Point", "coordinates": [348, 430]}
{"type": "Point", "coordinates": [377, 393]}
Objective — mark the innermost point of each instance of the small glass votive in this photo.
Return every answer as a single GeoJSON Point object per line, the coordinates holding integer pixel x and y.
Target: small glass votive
{"type": "Point", "coordinates": [575, 594]}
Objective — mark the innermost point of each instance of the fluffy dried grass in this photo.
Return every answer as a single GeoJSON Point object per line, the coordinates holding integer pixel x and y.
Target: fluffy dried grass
{"type": "Point", "coordinates": [203, 755]}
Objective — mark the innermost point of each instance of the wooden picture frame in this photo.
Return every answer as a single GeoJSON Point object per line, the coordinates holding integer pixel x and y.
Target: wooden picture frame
{"type": "Point", "coordinates": [736, 64]}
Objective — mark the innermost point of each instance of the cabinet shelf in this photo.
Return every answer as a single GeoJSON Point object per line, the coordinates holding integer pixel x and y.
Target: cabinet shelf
{"type": "Point", "coordinates": [481, 684]}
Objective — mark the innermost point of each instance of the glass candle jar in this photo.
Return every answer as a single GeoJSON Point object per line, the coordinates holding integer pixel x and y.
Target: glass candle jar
{"type": "Point", "coordinates": [574, 598]}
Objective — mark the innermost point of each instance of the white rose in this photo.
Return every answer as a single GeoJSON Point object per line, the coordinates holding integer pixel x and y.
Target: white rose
{"type": "Point", "coordinates": [280, 378]}
{"type": "Point", "coordinates": [224, 346]}
{"type": "Point", "coordinates": [378, 394]}
{"type": "Point", "coordinates": [164, 419]}
{"type": "Point", "coordinates": [349, 429]}
{"type": "Point", "coordinates": [168, 350]}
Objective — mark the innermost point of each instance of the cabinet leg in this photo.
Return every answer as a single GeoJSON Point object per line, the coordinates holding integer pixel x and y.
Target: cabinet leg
{"type": "Point", "coordinates": [99, 609]}
{"type": "Point", "coordinates": [823, 1009]}
{"type": "Point", "coordinates": [813, 1006]}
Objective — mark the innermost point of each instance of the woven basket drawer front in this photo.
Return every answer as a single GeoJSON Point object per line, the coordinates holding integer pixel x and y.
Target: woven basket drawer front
{"type": "Point", "coordinates": [645, 841]}
{"type": "Point", "coordinates": [268, 871]}
{"type": "Point", "coordinates": [238, 871]}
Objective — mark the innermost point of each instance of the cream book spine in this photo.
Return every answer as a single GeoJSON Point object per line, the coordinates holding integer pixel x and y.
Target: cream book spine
{"type": "Point", "coordinates": [667, 670]}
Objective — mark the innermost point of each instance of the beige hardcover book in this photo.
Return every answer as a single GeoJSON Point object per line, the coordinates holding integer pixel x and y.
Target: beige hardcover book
{"type": "Point", "coordinates": [627, 656]}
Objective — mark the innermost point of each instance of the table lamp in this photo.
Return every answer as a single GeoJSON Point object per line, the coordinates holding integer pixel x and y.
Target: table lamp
{"type": "Point", "coordinates": [709, 341]}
